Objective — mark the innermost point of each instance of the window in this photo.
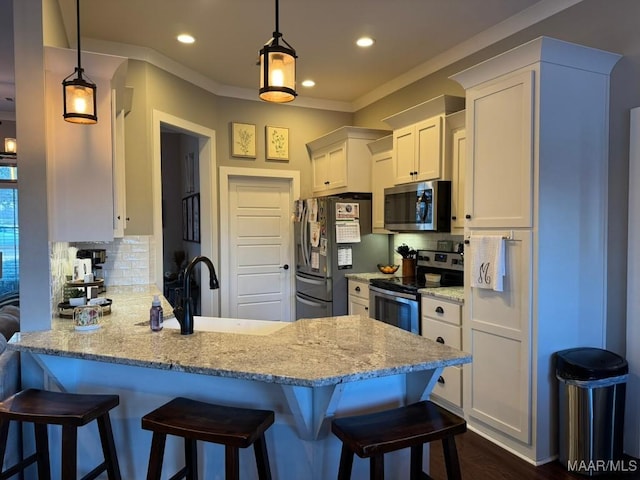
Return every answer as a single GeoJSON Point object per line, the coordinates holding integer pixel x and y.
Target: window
{"type": "Point", "coordinates": [9, 231]}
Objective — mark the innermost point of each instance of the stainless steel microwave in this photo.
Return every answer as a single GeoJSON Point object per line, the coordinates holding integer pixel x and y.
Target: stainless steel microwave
{"type": "Point", "coordinates": [420, 206]}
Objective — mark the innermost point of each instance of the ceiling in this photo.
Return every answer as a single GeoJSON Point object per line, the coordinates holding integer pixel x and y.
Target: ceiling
{"type": "Point", "coordinates": [411, 37]}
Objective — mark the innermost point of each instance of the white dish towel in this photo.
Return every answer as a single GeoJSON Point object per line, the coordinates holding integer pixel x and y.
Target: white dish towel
{"type": "Point", "coordinates": [487, 262]}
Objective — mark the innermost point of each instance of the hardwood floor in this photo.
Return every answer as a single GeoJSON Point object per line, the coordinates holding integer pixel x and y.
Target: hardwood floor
{"type": "Point", "coordinates": [482, 460]}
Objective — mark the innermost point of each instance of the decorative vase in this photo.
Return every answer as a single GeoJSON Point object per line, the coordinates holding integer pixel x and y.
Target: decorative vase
{"type": "Point", "coordinates": [409, 267]}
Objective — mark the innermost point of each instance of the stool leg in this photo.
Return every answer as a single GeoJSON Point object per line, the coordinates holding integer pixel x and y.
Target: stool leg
{"type": "Point", "coordinates": [42, 451]}
{"type": "Point", "coordinates": [4, 435]}
{"type": "Point", "coordinates": [191, 459]}
{"type": "Point", "coordinates": [346, 463]}
{"type": "Point", "coordinates": [262, 458]}
{"type": "Point", "coordinates": [377, 467]}
{"type": "Point", "coordinates": [109, 447]}
{"type": "Point", "coordinates": [155, 457]}
{"type": "Point", "coordinates": [231, 463]}
{"type": "Point", "coordinates": [451, 458]}
{"type": "Point", "coordinates": [416, 462]}
{"type": "Point", "coordinates": [69, 452]}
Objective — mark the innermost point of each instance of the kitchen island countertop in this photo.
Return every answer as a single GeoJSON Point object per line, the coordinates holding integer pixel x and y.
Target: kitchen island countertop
{"type": "Point", "coordinates": [308, 372]}
{"type": "Point", "coordinates": [308, 352]}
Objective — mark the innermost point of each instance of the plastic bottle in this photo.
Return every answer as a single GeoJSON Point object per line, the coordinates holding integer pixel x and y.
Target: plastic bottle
{"type": "Point", "coordinates": [155, 315]}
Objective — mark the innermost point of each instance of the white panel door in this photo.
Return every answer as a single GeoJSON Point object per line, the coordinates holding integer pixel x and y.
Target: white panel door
{"type": "Point", "coordinates": [497, 332]}
{"type": "Point", "coordinates": [259, 248]}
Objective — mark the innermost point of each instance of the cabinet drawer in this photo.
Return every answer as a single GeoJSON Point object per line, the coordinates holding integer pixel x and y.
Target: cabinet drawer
{"type": "Point", "coordinates": [449, 386]}
{"type": "Point", "coordinates": [359, 289]}
{"type": "Point", "coordinates": [441, 310]}
{"type": "Point", "coordinates": [442, 332]}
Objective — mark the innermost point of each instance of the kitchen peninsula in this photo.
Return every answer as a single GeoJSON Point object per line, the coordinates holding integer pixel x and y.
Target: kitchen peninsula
{"type": "Point", "coordinates": [307, 372]}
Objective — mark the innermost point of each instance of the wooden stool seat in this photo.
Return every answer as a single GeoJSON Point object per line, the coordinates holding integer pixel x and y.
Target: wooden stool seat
{"type": "Point", "coordinates": [70, 410]}
{"type": "Point", "coordinates": [373, 435]}
{"type": "Point", "coordinates": [192, 420]}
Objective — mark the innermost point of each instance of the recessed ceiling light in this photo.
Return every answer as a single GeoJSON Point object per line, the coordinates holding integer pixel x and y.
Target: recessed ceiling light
{"type": "Point", "coordinates": [185, 38]}
{"type": "Point", "coordinates": [308, 83]}
{"type": "Point", "coordinates": [365, 41]}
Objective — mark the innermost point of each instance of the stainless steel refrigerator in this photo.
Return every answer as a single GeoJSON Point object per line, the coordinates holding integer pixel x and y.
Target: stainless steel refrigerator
{"type": "Point", "coordinates": [333, 238]}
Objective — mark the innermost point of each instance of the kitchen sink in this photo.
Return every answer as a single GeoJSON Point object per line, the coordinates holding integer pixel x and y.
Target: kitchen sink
{"type": "Point", "coordinates": [230, 325]}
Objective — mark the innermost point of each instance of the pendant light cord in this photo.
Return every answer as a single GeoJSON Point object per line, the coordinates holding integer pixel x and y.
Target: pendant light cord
{"type": "Point", "coordinates": [277, 17]}
{"type": "Point", "coordinates": [78, 32]}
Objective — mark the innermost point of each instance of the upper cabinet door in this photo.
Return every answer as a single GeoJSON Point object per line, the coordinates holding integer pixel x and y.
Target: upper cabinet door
{"type": "Point", "coordinates": [428, 148]}
{"type": "Point", "coordinates": [500, 159]}
{"type": "Point", "coordinates": [404, 154]}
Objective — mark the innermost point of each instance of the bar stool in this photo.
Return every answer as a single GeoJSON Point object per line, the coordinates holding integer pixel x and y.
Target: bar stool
{"type": "Point", "coordinates": [373, 435]}
{"type": "Point", "coordinates": [69, 410]}
{"type": "Point", "coordinates": [232, 427]}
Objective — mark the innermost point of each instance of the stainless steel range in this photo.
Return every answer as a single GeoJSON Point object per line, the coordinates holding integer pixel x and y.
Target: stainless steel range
{"type": "Point", "coordinates": [396, 300]}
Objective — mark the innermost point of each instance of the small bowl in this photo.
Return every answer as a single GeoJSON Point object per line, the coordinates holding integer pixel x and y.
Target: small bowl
{"type": "Point", "coordinates": [432, 278]}
{"type": "Point", "coordinates": [388, 268]}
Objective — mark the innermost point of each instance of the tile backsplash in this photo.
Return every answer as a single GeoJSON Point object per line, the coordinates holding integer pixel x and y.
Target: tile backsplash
{"type": "Point", "coordinates": [129, 262]}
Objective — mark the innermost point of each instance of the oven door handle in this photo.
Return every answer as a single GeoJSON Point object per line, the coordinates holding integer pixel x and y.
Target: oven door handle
{"type": "Point", "coordinates": [400, 296]}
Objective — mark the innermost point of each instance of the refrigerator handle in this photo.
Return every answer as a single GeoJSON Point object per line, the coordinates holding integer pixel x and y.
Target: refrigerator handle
{"type": "Point", "coordinates": [310, 280]}
{"type": "Point", "coordinates": [304, 228]}
{"type": "Point", "coordinates": [308, 302]}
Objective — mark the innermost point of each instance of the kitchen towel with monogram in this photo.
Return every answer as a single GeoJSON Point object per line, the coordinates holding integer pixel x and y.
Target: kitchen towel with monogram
{"type": "Point", "coordinates": [487, 262]}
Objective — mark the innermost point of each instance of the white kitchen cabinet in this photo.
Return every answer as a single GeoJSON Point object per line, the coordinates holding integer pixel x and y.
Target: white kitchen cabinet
{"type": "Point", "coordinates": [457, 148]}
{"type": "Point", "coordinates": [358, 297]}
{"type": "Point", "coordinates": [80, 158]}
{"type": "Point", "coordinates": [419, 137]}
{"type": "Point", "coordinates": [537, 139]}
{"type": "Point", "coordinates": [381, 178]}
{"type": "Point", "coordinates": [502, 149]}
{"type": "Point", "coordinates": [340, 160]}
{"type": "Point", "coordinates": [441, 321]}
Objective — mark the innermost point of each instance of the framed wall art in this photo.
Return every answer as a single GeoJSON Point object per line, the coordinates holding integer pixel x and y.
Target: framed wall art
{"type": "Point", "coordinates": [243, 140]}
{"type": "Point", "coordinates": [277, 143]}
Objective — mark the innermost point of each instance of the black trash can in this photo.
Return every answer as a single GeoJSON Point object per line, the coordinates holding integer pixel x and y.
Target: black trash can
{"type": "Point", "coordinates": [592, 385]}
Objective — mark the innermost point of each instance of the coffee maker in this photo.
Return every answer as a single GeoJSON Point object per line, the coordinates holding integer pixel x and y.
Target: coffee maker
{"type": "Point", "coordinates": [98, 256]}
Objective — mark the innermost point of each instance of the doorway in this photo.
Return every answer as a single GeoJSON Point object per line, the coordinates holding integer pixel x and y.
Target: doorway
{"type": "Point", "coordinates": [257, 234]}
{"type": "Point", "coordinates": [203, 141]}
{"type": "Point", "coordinates": [180, 205]}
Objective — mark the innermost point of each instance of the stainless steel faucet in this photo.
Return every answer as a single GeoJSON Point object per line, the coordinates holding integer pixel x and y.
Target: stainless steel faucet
{"type": "Point", "coordinates": [184, 309]}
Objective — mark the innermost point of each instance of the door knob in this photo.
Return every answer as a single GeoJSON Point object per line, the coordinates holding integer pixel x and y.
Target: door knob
{"type": "Point", "coordinates": [285, 266]}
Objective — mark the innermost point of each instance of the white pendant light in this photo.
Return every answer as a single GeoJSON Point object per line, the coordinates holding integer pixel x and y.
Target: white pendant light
{"type": "Point", "coordinates": [277, 69]}
{"type": "Point", "coordinates": [79, 93]}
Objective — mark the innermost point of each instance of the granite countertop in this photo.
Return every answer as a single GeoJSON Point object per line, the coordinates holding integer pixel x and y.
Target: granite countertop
{"type": "Point", "coordinates": [311, 352]}
{"type": "Point", "coordinates": [454, 294]}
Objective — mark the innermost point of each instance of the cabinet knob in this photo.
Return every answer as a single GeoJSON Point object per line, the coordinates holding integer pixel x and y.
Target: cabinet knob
{"type": "Point", "coordinates": [440, 340]}
{"type": "Point", "coordinates": [454, 218]}
{"type": "Point", "coordinates": [326, 183]}
{"type": "Point", "coordinates": [439, 310]}
{"type": "Point", "coordinates": [285, 267]}
{"type": "Point", "coordinates": [467, 242]}
{"type": "Point", "coordinates": [467, 216]}
{"type": "Point", "coordinates": [357, 289]}
{"type": "Point", "coordinates": [366, 308]}
{"type": "Point", "coordinates": [118, 217]}
{"type": "Point", "coordinates": [441, 380]}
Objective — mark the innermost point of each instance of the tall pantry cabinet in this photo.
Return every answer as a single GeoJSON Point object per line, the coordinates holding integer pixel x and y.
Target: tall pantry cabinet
{"type": "Point", "coordinates": [537, 122]}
